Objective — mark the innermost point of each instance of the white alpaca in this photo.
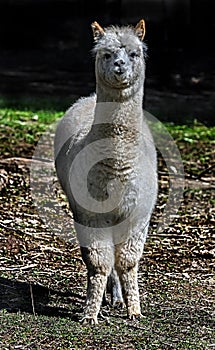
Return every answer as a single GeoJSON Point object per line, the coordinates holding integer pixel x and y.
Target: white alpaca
{"type": "Point", "coordinates": [106, 164]}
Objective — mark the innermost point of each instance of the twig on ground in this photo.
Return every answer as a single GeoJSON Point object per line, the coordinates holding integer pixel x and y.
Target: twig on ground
{"type": "Point", "coordinates": [26, 160]}
{"type": "Point", "coordinates": [18, 268]}
{"type": "Point", "coordinates": [32, 300]}
{"type": "Point", "coordinates": [206, 171]}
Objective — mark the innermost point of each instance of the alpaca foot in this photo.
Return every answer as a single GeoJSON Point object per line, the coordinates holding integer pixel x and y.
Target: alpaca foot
{"type": "Point", "coordinates": [134, 312]}
{"type": "Point", "coordinates": [92, 320]}
{"type": "Point", "coordinates": [89, 320]}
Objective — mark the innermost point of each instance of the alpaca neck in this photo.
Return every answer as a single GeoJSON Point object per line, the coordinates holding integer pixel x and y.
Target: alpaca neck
{"type": "Point", "coordinates": [119, 106]}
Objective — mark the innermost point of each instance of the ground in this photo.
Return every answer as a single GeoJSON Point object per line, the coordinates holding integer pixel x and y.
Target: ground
{"type": "Point", "coordinates": [43, 279]}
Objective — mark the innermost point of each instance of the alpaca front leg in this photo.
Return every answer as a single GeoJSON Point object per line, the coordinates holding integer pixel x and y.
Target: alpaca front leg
{"type": "Point", "coordinates": [128, 278]}
{"type": "Point", "coordinates": [96, 286]}
{"type": "Point", "coordinates": [99, 262]}
{"type": "Point", "coordinates": [127, 256]}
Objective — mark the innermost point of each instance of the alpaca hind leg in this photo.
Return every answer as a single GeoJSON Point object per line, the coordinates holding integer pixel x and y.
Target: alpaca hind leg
{"type": "Point", "coordinates": [114, 287]}
{"type": "Point", "coordinates": [99, 261]}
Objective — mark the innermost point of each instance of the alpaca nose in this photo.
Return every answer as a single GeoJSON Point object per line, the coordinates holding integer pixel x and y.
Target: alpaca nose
{"type": "Point", "coordinates": [119, 62]}
{"type": "Point", "coordinates": [119, 65]}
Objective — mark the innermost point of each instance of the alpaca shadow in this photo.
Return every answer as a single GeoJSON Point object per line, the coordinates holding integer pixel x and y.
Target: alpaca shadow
{"type": "Point", "coordinates": [35, 299]}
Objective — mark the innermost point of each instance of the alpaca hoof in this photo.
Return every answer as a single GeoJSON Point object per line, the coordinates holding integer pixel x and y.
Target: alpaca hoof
{"type": "Point", "coordinates": [89, 320]}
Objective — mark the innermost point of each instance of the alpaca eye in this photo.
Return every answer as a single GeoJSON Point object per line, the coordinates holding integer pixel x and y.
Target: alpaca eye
{"type": "Point", "coordinates": [107, 56]}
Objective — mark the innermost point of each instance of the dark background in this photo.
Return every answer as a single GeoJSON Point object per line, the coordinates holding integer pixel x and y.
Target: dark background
{"type": "Point", "coordinates": [46, 51]}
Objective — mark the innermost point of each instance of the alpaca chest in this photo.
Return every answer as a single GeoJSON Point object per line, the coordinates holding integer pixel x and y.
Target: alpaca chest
{"type": "Point", "coordinates": [111, 177]}
{"type": "Point", "coordinates": [115, 187]}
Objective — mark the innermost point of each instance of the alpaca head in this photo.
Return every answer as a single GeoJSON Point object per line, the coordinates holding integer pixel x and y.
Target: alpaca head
{"type": "Point", "coordinates": [120, 56]}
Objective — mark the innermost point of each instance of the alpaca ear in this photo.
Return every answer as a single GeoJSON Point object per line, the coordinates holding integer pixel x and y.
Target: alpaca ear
{"type": "Point", "coordinates": [140, 29]}
{"type": "Point", "coordinates": [98, 31]}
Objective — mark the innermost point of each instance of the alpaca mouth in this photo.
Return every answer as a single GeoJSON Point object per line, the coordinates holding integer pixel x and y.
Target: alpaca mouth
{"type": "Point", "coordinates": [118, 81]}
{"type": "Point", "coordinates": [121, 76]}
{"type": "Point", "coordinates": [122, 80]}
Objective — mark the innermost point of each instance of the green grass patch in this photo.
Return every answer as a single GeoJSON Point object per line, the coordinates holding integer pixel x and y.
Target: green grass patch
{"type": "Point", "coordinates": [27, 124]}
{"type": "Point", "coordinates": [21, 129]}
{"type": "Point", "coordinates": [191, 134]}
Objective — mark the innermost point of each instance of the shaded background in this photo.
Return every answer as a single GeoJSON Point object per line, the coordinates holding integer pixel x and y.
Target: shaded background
{"type": "Point", "coordinates": [45, 52]}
